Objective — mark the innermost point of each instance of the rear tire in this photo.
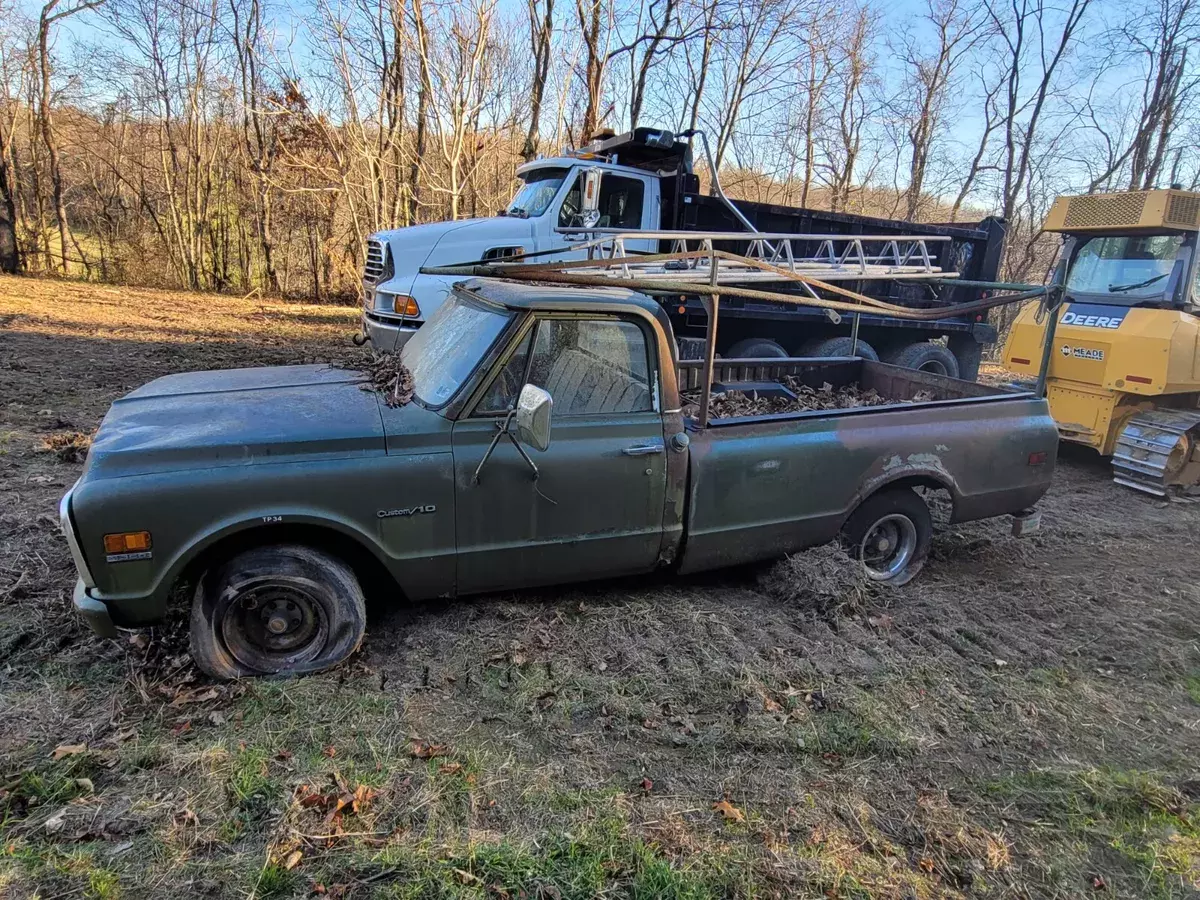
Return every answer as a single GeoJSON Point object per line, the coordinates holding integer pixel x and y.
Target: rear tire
{"type": "Point", "coordinates": [756, 348]}
{"type": "Point", "coordinates": [837, 346]}
{"type": "Point", "coordinates": [282, 609]}
{"type": "Point", "coordinates": [891, 533]}
{"type": "Point", "coordinates": [925, 357]}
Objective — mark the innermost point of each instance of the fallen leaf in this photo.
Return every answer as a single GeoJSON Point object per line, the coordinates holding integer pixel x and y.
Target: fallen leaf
{"type": "Point", "coordinates": [426, 750]}
{"type": "Point", "coordinates": [140, 640]}
{"type": "Point", "coordinates": [362, 796]}
{"type": "Point", "coordinates": [925, 864]}
{"type": "Point", "coordinates": [450, 768]}
{"type": "Point", "coordinates": [465, 877]}
{"type": "Point", "coordinates": [67, 750]}
{"type": "Point", "coordinates": [55, 823]}
{"type": "Point", "coordinates": [729, 811]}
{"type": "Point", "coordinates": [196, 695]}
{"type": "Point", "coordinates": [339, 804]}
{"type": "Point", "coordinates": [1098, 883]}
{"type": "Point", "coordinates": [85, 784]}
{"type": "Point", "coordinates": [293, 860]}
{"type": "Point", "coordinates": [127, 735]}
{"type": "Point", "coordinates": [182, 728]}
{"type": "Point", "coordinates": [330, 751]}
{"type": "Point", "coordinates": [647, 785]}
{"type": "Point", "coordinates": [186, 817]}
{"type": "Point", "coordinates": [283, 755]}
{"type": "Point", "coordinates": [882, 621]}
{"type": "Point", "coordinates": [771, 705]}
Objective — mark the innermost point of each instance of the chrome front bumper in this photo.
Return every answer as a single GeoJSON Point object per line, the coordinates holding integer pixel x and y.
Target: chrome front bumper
{"type": "Point", "coordinates": [386, 333]}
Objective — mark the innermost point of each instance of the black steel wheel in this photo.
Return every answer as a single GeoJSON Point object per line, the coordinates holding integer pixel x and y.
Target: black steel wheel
{"type": "Point", "coordinates": [756, 348]}
{"type": "Point", "coordinates": [821, 348]}
{"type": "Point", "coordinates": [891, 533]}
{"type": "Point", "coordinates": [275, 610]}
{"type": "Point", "coordinates": [924, 357]}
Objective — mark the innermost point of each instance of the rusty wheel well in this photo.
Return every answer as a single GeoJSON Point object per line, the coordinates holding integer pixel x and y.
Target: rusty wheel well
{"type": "Point", "coordinates": [924, 485]}
{"type": "Point", "coordinates": [373, 576]}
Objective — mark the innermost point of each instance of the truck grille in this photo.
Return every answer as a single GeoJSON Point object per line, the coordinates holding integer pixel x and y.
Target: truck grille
{"type": "Point", "coordinates": [376, 261]}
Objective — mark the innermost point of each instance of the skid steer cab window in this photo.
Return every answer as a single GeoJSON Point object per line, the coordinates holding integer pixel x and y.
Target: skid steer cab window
{"type": "Point", "coordinates": [1124, 269]}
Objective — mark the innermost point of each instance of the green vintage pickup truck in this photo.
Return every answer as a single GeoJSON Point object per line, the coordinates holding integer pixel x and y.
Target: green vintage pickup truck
{"type": "Point", "coordinates": [546, 442]}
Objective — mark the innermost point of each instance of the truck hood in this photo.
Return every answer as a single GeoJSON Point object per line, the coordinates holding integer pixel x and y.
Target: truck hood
{"type": "Point", "coordinates": [445, 243]}
{"type": "Point", "coordinates": [237, 417]}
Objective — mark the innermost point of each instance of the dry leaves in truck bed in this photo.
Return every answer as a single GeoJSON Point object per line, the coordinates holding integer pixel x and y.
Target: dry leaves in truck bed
{"type": "Point", "coordinates": [731, 404]}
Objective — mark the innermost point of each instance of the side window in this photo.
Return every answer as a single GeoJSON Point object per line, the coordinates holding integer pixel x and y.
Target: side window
{"type": "Point", "coordinates": [501, 396]}
{"type": "Point", "coordinates": [620, 203]}
{"type": "Point", "coordinates": [568, 214]}
{"type": "Point", "coordinates": [592, 367]}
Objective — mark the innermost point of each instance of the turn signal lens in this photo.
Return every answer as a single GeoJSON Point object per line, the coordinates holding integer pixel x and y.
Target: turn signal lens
{"type": "Point", "coordinates": [405, 306]}
{"type": "Point", "coordinates": [128, 542]}
{"type": "Point", "coordinates": [1036, 459]}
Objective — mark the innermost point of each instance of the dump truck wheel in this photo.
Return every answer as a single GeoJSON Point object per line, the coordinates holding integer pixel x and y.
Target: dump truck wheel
{"type": "Point", "coordinates": [925, 357]}
{"type": "Point", "coordinates": [756, 348]}
{"type": "Point", "coordinates": [837, 346]}
{"type": "Point", "coordinates": [891, 533]}
{"type": "Point", "coordinates": [282, 609]}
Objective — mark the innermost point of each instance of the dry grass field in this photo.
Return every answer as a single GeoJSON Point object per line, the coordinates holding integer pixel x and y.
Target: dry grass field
{"type": "Point", "coordinates": [1023, 721]}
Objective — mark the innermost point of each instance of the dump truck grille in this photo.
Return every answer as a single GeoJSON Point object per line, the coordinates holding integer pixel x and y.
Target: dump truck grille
{"type": "Point", "coordinates": [376, 261]}
{"type": "Point", "coordinates": [1183, 209]}
{"type": "Point", "coordinates": [1111, 211]}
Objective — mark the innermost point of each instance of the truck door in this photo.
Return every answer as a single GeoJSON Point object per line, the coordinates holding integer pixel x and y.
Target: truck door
{"type": "Point", "coordinates": [629, 202]}
{"type": "Point", "coordinates": [596, 508]}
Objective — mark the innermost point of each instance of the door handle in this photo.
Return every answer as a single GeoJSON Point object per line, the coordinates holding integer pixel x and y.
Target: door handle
{"type": "Point", "coordinates": [646, 450]}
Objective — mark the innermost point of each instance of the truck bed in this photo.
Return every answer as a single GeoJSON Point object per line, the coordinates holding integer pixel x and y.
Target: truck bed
{"type": "Point", "coordinates": [771, 484]}
{"type": "Point", "coordinates": [903, 386]}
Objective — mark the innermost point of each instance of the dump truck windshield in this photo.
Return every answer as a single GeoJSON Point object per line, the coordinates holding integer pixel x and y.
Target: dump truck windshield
{"type": "Point", "coordinates": [445, 350]}
{"type": "Point", "coordinates": [1127, 269]}
{"type": "Point", "coordinates": [536, 193]}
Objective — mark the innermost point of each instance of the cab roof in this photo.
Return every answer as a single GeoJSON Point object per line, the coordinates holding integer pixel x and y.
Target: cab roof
{"type": "Point", "coordinates": [538, 296]}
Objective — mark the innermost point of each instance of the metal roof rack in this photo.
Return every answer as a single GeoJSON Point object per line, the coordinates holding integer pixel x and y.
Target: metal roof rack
{"type": "Point", "coordinates": [852, 257]}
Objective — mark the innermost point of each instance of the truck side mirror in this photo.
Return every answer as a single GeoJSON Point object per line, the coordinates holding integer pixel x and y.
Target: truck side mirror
{"type": "Point", "coordinates": [533, 416]}
{"type": "Point", "coordinates": [589, 212]}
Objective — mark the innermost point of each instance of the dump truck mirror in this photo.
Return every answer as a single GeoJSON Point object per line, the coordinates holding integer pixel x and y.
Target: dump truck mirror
{"type": "Point", "coordinates": [589, 212]}
{"type": "Point", "coordinates": [533, 416]}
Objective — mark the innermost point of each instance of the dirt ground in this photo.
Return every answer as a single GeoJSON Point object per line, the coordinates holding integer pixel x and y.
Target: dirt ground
{"type": "Point", "coordinates": [1021, 721]}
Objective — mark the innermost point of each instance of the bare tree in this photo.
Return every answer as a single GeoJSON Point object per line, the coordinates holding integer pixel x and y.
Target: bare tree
{"type": "Point", "coordinates": [541, 33]}
{"type": "Point", "coordinates": [927, 88]}
{"type": "Point", "coordinates": [51, 14]}
{"type": "Point", "coordinates": [1026, 30]}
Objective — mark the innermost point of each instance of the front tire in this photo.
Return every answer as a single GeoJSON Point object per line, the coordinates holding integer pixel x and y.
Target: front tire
{"type": "Point", "coordinates": [891, 533]}
{"type": "Point", "coordinates": [282, 609]}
